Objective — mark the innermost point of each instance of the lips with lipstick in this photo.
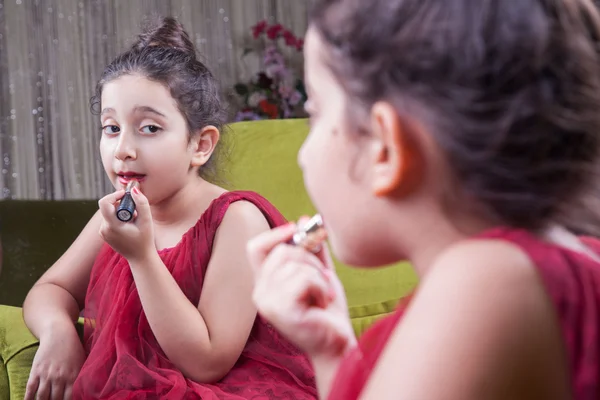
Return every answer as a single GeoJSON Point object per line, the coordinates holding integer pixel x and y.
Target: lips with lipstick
{"type": "Point", "coordinates": [126, 177]}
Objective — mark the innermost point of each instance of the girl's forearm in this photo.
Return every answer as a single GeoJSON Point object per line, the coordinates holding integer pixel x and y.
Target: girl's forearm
{"type": "Point", "coordinates": [176, 323]}
{"type": "Point", "coordinates": [49, 307]}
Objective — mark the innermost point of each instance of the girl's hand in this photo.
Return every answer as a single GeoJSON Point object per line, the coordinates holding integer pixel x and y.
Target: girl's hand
{"type": "Point", "coordinates": [300, 294]}
{"type": "Point", "coordinates": [56, 364]}
{"type": "Point", "coordinates": [134, 240]}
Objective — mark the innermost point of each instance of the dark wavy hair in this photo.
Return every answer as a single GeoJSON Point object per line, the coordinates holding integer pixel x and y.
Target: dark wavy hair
{"type": "Point", "coordinates": [164, 53]}
{"type": "Point", "coordinates": [510, 91]}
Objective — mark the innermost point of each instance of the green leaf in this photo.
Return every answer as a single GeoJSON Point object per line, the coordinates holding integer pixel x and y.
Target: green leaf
{"type": "Point", "coordinates": [300, 88]}
{"type": "Point", "coordinates": [241, 89]}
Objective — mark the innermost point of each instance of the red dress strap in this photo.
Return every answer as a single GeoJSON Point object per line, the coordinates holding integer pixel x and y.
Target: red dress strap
{"type": "Point", "coordinates": [355, 369]}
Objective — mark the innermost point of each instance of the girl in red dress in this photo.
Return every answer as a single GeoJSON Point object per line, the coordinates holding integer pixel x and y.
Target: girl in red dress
{"type": "Point", "coordinates": [459, 135]}
{"type": "Point", "coordinates": [167, 297]}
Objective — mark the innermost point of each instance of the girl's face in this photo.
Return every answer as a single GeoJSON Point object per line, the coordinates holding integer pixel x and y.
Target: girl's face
{"type": "Point", "coordinates": [144, 137]}
{"type": "Point", "coordinates": [337, 164]}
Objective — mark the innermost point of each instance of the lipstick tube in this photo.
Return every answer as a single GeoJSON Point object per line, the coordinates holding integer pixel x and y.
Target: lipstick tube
{"type": "Point", "coordinates": [127, 205]}
{"type": "Point", "coordinates": [311, 235]}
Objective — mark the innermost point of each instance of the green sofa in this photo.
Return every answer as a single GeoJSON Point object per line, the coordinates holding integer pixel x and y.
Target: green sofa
{"type": "Point", "coordinates": [262, 158]}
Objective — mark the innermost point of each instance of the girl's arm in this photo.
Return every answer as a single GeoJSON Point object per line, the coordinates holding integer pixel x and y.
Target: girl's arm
{"type": "Point", "coordinates": [205, 341]}
{"type": "Point", "coordinates": [480, 328]}
{"type": "Point", "coordinates": [56, 299]}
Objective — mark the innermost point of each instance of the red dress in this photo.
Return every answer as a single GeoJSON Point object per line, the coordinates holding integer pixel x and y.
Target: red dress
{"type": "Point", "coordinates": [124, 358]}
{"type": "Point", "coordinates": [572, 281]}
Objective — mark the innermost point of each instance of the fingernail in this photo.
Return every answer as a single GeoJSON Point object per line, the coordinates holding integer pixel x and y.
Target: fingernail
{"type": "Point", "coordinates": [136, 190]}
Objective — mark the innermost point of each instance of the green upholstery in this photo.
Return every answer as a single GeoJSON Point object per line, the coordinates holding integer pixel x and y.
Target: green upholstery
{"type": "Point", "coordinates": [262, 158]}
{"type": "Point", "coordinates": [17, 348]}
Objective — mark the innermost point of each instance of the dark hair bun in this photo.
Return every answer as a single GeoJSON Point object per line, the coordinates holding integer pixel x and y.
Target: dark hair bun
{"type": "Point", "coordinates": [165, 32]}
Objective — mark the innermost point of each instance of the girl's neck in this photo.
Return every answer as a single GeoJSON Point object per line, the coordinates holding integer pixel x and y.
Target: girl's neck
{"type": "Point", "coordinates": [438, 235]}
{"type": "Point", "coordinates": [187, 203]}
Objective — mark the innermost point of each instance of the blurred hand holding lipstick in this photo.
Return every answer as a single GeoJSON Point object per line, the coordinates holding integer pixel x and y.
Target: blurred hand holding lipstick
{"type": "Point", "coordinates": [297, 289]}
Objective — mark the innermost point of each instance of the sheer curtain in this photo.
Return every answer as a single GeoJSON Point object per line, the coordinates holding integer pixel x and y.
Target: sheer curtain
{"type": "Point", "coordinates": [53, 51]}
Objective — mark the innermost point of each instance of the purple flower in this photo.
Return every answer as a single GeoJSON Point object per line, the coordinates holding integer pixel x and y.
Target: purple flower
{"type": "Point", "coordinates": [276, 71]}
{"type": "Point", "coordinates": [247, 116]}
{"type": "Point", "coordinates": [271, 50]}
{"type": "Point", "coordinates": [273, 56]}
{"type": "Point", "coordinates": [285, 91]}
{"type": "Point", "coordinates": [295, 98]}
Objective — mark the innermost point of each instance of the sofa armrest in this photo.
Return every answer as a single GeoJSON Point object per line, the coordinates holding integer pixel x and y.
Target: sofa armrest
{"type": "Point", "coordinates": [17, 349]}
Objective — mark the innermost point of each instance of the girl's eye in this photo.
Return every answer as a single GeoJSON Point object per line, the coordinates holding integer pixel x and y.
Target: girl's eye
{"type": "Point", "coordinates": [110, 129]}
{"type": "Point", "coordinates": [150, 129]}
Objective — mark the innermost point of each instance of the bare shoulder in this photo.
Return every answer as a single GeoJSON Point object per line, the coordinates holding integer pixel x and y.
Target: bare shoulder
{"type": "Point", "coordinates": [482, 324]}
{"type": "Point", "coordinates": [245, 217]}
{"type": "Point", "coordinates": [475, 262]}
{"type": "Point", "coordinates": [491, 284]}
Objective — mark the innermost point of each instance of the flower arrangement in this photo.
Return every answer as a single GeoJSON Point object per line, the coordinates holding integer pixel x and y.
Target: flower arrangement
{"type": "Point", "coordinates": [276, 91]}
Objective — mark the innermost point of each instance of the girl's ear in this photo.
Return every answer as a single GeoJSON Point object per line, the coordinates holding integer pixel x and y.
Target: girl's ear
{"type": "Point", "coordinates": [203, 144]}
{"type": "Point", "coordinates": [397, 166]}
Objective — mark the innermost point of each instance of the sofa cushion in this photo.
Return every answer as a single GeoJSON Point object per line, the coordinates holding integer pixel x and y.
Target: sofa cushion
{"type": "Point", "coordinates": [14, 335]}
{"type": "Point", "coordinates": [17, 349]}
{"type": "Point", "coordinates": [4, 394]}
{"type": "Point", "coordinates": [363, 316]}
{"type": "Point", "coordinates": [18, 371]}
